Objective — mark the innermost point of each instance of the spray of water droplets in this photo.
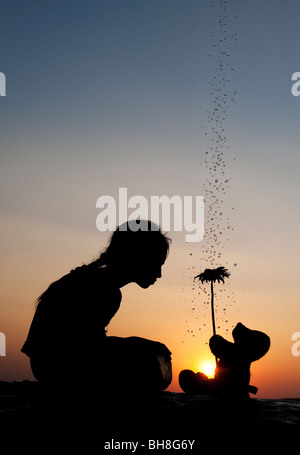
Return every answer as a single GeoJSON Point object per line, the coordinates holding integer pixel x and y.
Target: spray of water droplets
{"type": "Point", "coordinates": [223, 94]}
{"type": "Point", "coordinates": [214, 162]}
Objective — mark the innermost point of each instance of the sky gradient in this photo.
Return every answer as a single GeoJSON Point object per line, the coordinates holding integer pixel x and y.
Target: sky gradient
{"type": "Point", "coordinates": [108, 94]}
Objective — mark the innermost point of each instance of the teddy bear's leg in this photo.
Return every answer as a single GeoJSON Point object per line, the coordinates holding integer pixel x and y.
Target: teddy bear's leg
{"type": "Point", "coordinates": [191, 382]}
{"type": "Point", "coordinates": [187, 381]}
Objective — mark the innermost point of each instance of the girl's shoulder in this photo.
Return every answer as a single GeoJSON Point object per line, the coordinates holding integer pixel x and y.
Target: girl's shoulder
{"type": "Point", "coordinates": [96, 280]}
{"type": "Point", "coordinates": [82, 284]}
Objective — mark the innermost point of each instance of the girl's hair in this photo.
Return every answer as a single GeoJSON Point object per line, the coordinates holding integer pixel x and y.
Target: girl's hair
{"type": "Point", "coordinates": [132, 240]}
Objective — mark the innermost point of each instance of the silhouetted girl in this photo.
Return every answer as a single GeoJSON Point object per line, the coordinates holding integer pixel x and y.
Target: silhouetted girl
{"type": "Point", "coordinates": [67, 342]}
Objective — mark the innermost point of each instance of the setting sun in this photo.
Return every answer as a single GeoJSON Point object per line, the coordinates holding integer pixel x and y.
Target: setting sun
{"type": "Point", "coordinates": [208, 367]}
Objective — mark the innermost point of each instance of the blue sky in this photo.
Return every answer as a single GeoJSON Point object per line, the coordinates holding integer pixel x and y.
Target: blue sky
{"type": "Point", "coordinates": [109, 94]}
{"type": "Point", "coordinates": [84, 76]}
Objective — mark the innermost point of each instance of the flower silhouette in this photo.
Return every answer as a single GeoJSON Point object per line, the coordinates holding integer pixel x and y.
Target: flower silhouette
{"type": "Point", "coordinates": [213, 275]}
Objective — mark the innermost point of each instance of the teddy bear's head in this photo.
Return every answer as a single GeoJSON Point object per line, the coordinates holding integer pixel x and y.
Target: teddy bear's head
{"type": "Point", "coordinates": [252, 343]}
{"type": "Point", "coordinates": [248, 344]}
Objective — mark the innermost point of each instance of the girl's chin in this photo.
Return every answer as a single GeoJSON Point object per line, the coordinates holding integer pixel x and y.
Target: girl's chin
{"type": "Point", "coordinates": [145, 284]}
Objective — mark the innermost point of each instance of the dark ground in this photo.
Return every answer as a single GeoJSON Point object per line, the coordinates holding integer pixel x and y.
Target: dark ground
{"type": "Point", "coordinates": [28, 420]}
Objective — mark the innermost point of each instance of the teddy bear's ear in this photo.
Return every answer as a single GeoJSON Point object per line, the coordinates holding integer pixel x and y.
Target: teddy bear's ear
{"type": "Point", "coordinates": [253, 343]}
{"type": "Point", "coordinates": [260, 345]}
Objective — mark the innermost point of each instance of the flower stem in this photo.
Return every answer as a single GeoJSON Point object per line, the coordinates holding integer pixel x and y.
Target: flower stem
{"type": "Point", "coordinates": [212, 307]}
{"type": "Point", "coordinates": [213, 313]}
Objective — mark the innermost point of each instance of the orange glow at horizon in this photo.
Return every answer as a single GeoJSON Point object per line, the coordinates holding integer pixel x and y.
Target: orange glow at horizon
{"type": "Point", "coordinates": [208, 368]}
{"type": "Point", "coordinates": [170, 311]}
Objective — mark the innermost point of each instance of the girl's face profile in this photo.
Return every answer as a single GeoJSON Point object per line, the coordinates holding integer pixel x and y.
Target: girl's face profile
{"type": "Point", "coordinates": [148, 272]}
{"type": "Point", "coordinates": [137, 256]}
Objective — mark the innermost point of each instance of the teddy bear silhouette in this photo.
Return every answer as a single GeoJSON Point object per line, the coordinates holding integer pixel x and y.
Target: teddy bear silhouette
{"type": "Point", "coordinates": [232, 374]}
